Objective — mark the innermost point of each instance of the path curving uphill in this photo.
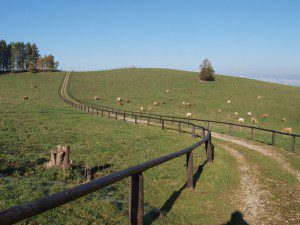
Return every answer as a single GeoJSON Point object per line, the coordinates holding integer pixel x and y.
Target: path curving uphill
{"type": "Point", "coordinates": [255, 197]}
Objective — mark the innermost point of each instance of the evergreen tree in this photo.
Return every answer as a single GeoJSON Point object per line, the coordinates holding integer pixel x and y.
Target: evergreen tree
{"type": "Point", "coordinates": [2, 53]}
{"type": "Point", "coordinates": [27, 53]}
{"type": "Point", "coordinates": [34, 55]}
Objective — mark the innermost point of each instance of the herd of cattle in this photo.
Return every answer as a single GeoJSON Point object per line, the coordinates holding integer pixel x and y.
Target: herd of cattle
{"type": "Point", "coordinates": [121, 102]}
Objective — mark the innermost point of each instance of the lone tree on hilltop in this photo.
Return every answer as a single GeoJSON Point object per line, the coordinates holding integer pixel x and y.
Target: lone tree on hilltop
{"type": "Point", "coordinates": [206, 71]}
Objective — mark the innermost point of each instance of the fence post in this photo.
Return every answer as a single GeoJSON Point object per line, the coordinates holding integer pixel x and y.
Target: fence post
{"type": "Point", "coordinates": [208, 125]}
{"type": "Point", "coordinates": [136, 199]}
{"type": "Point", "coordinates": [148, 120]}
{"type": "Point", "coordinates": [293, 142]}
{"type": "Point", "coordinates": [116, 115]}
{"type": "Point", "coordinates": [159, 119]}
{"type": "Point", "coordinates": [81, 107]}
{"type": "Point", "coordinates": [162, 124]}
{"type": "Point", "coordinates": [251, 135]}
{"type": "Point", "coordinates": [124, 116]}
{"type": "Point", "coordinates": [179, 126]}
{"type": "Point", "coordinates": [88, 109]}
{"type": "Point", "coordinates": [230, 129]}
{"type": "Point", "coordinates": [97, 112]}
{"type": "Point", "coordinates": [273, 138]}
{"type": "Point", "coordinates": [108, 114]}
{"type": "Point", "coordinates": [193, 131]}
{"type": "Point", "coordinates": [208, 150]}
{"type": "Point", "coordinates": [102, 112]}
{"type": "Point", "coordinates": [135, 119]}
{"type": "Point", "coordinates": [189, 170]}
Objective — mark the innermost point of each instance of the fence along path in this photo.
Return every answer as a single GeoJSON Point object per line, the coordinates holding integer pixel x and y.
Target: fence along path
{"type": "Point", "coordinates": [135, 173]}
{"type": "Point", "coordinates": [159, 117]}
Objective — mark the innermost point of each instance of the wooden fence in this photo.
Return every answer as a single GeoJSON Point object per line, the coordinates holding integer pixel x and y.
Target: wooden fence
{"type": "Point", "coordinates": [135, 173]}
{"type": "Point", "coordinates": [251, 129]}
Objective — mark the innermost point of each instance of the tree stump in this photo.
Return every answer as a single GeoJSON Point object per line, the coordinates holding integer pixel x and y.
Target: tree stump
{"type": "Point", "coordinates": [59, 158]}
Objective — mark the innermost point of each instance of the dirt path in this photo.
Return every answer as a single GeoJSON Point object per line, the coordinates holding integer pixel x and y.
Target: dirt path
{"type": "Point", "coordinates": [265, 150]}
{"type": "Point", "coordinates": [251, 196]}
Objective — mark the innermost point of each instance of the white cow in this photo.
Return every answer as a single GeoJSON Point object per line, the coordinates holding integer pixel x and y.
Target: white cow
{"type": "Point", "coordinates": [189, 115]}
{"type": "Point", "coordinates": [241, 120]}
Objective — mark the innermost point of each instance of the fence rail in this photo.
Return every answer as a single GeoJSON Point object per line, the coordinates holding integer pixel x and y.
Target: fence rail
{"type": "Point", "coordinates": [135, 173]}
{"type": "Point", "coordinates": [209, 122]}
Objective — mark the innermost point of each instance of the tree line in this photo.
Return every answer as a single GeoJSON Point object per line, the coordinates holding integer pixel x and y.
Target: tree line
{"type": "Point", "coordinates": [21, 57]}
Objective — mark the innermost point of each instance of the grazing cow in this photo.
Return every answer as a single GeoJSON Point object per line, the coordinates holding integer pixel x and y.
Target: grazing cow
{"type": "Point", "coordinates": [183, 103]}
{"type": "Point", "coordinates": [220, 111]}
{"type": "Point", "coordinates": [254, 120]}
{"type": "Point", "coordinates": [142, 108]}
{"type": "Point", "coordinates": [25, 98]}
{"type": "Point", "coordinates": [155, 103]}
{"type": "Point", "coordinates": [127, 100]}
{"type": "Point", "coordinates": [189, 115]}
{"type": "Point", "coordinates": [167, 91]}
{"type": "Point", "coordinates": [236, 114]}
{"type": "Point", "coordinates": [119, 99]}
{"type": "Point", "coordinates": [241, 120]}
{"type": "Point", "coordinates": [150, 109]}
{"type": "Point", "coordinates": [34, 86]}
{"type": "Point", "coordinates": [259, 97]}
{"type": "Point", "coordinates": [188, 104]}
{"type": "Point", "coordinates": [265, 115]}
{"type": "Point", "coordinates": [228, 102]}
{"type": "Point", "coordinates": [191, 92]}
{"type": "Point", "coordinates": [162, 102]}
{"type": "Point", "coordinates": [249, 114]}
{"type": "Point", "coordinates": [96, 98]}
{"type": "Point", "coordinates": [284, 119]}
{"type": "Point", "coordinates": [119, 103]}
{"type": "Point", "coordinates": [287, 130]}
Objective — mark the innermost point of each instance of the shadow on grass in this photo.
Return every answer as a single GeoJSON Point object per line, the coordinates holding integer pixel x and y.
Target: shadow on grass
{"type": "Point", "coordinates": [236, 219]}
{"type": "Point", "coordinates": [154, 214]}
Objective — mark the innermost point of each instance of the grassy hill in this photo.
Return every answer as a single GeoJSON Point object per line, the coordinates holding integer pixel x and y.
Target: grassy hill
{"type": "Point", "coordinates": [145, 86]}
{"type": "Point", "coordinates": [29, 129]}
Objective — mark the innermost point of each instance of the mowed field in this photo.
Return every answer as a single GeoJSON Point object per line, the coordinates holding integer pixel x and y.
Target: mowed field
{"type": "Point", "coordinates": [143, 87]}
{"type": "Point", "coordinates": [29, 129]}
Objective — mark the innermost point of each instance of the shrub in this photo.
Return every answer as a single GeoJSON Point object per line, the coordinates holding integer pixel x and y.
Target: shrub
{"type": "Point", "coordinates": [206, 71]}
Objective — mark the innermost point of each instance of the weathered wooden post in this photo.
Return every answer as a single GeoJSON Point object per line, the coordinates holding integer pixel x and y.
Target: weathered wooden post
{"type": "Point", "coordinates": [208, 150]}
{"type": "Point", "coordinates": [136, 199]}
{"type": "Point", "coordinates": [124, 116]}
{"type": "Point", "coordinates": [102, 112]}
{"type": "Point", "coordinates": [273, 138]}
{"type": "Point", "coordinates": [88, 109]}
{"type": "Point", "coordinates": [293, 142]}
{"type": "Point", "coordinates": [251, 135]}
{"type": "Point", "coordinates": [108, 114]}
{"type": "Point", "coordinates": [135, 118]}
{"type": "Point", "coordinates": [116, 115]}
{"type": "Point", "coordinates": [189, 170]}
{"type": "Point", "coordinates": [208, 125]}
{"type": "Point", "coordinates": [148, 121]}
{"type": "Point", "coordinates": [162, 124]}
{"type": "Point", "coordinates": [159, 119]}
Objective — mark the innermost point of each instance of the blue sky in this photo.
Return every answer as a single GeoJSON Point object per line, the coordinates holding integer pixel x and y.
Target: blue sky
{"type": "Point", "coordinates": [257, 38]}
